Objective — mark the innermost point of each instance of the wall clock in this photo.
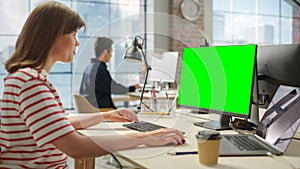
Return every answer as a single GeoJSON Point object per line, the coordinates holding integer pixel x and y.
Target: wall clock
{"type": "Point", "coordinates": [190, 9]}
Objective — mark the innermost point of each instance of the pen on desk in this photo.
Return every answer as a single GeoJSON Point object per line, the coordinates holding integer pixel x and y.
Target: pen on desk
{"type": "Point", "coordinates": [147, 106]}
{"type": "Point", "coordinates": [167, 96]}
{"type": "Point", "coordinates": [154, 99]}
{"type": "Point", "coordinates": [182, 153]}
{"type": "Point", "coordinates": [173, 102]}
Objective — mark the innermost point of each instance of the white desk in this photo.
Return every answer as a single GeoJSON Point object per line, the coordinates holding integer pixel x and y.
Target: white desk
{"type": "Point", "coordinates": [156, 157]}
{"type": "Point", "coordinates": [125, 98]}
{"type": "Point", "coordinates": [159, 95]}
{"type": "Point", "coordinates": [135, 96]}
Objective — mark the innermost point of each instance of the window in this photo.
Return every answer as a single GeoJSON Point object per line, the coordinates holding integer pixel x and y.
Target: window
{"type": "Point", "coordinates": [260, 21]}
{"type": "Point", "coordinates": [116, 19]}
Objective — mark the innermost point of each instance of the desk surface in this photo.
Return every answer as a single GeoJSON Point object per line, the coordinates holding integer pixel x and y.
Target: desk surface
{"type": "Point", "coordinates": [159, 95]}
{"type": "Point", "coordinates": [156, 157]}
{"type": "Point", "coordinates": [133, 96]}
{"type": "Point", "coordinates": [123, 98]}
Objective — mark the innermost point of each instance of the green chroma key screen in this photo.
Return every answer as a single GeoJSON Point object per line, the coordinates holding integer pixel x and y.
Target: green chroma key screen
{"type": "Point", "coordinates": [218, 79]}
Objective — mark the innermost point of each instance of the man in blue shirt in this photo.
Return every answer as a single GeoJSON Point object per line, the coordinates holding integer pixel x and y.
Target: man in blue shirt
{"type": "Point", "coordinates": [97, 84]}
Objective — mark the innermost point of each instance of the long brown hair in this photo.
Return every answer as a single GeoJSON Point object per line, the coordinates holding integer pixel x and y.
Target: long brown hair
{"type": "Point", "coordinates": [44, 25]}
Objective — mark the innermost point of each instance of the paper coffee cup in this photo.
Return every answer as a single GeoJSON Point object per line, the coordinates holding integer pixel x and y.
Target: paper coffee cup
{"type": "Point", "coordinates": [208, 147]}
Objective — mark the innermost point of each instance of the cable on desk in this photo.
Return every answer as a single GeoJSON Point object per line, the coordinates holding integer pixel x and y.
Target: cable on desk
{"type": "Point", "coordinates": [296, 138]}
{"type": "Point", "coordinates": [116, 159]}
{"type": "Point", "coordinates": [285, 139]}
{"type": "Point", "coordinates": [241, 131]}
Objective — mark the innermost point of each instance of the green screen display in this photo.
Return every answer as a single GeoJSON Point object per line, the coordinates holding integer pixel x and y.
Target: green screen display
{"type": "Point", "coordinates": [218, 79]}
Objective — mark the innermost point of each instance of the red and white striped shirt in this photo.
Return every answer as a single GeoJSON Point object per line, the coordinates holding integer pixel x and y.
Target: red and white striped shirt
{"type": "Point", "coordinates": [32, 116]}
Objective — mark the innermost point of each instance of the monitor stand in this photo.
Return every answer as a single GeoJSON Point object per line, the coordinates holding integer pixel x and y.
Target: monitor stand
{"type": "Point", "coordinates": [198, 112]}
{"type": "Point", "coordinates": [222, 124]}
{"type": "Point", "coordinates": [224, 120]}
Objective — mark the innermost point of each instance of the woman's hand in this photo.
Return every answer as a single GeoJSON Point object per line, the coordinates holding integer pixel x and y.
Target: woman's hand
{"type": "Point", "coordinates": [120, 115]}
{"type": "Point", "coordinates": [161, 137]}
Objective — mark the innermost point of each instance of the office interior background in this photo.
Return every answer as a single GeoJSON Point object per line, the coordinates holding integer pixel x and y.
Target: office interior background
{"type": "Point", "coordinates": [162, 25]}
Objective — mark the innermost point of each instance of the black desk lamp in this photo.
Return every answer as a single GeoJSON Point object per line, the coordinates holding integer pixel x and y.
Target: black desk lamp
{"type": "Point", "coordinates": [135, 53]}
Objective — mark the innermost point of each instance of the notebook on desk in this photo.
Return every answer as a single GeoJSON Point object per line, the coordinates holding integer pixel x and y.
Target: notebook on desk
{"type": "Point", "coordinates": [275, 130]}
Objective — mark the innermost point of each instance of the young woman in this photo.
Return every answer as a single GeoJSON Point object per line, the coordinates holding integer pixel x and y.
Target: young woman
{"type": "Point", "coordinates": [35, 132]}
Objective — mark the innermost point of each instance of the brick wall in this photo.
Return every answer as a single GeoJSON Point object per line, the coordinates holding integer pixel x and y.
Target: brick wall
{"type": "Point", "coordinates": [183, 33]}
{"type": "Point", "coordinates": [182, 36]}
{"type": "Point", "coordinates": [296, 25]}
{"type": "Point", "coordinates": [187, 34]}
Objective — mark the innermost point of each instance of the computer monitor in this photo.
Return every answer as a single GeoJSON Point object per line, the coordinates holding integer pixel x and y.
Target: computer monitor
{"type": "Point", "coordinates": [277, 65]}
{"type": "Point", "coordinates": [218, 79]}
{"type": "Point", "coordinates": [164, 67]}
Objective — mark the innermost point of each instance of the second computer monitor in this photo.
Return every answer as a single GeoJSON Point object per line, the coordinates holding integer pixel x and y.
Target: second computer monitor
{"type": "Point", "coordinates": [277, 65]}
{"type": "Point", "coordinates": [164, 67]}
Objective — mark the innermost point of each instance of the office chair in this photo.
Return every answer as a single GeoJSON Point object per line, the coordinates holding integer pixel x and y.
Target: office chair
{"type": "Point", "coordinates": [82, 105]}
